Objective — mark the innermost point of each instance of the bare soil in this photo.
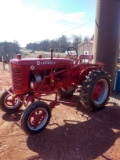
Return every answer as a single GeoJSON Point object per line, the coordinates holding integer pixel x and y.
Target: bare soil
{"type": "Point", "coordinates": [72, 134]}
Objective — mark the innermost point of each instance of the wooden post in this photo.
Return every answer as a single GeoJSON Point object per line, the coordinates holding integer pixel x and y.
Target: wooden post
{"type": "Point", "coordinates": [3, 63]}
{"type": "Point", "coordinates": [106, 41]}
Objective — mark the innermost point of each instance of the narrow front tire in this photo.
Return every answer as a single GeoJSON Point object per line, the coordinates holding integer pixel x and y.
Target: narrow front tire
{"type": "Point", "coordinates": [35, 117]}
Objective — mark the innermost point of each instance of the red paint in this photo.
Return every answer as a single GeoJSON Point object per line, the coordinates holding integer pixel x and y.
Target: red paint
{"type": "Point", "coordinates": [97, 90]}
{"type": "Point", "coordinates": [35, 77]}
{"type": "Point", "coordinates": [36, 117]}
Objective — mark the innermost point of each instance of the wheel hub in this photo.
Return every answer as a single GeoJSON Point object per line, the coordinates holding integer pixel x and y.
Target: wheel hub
{"type": "Point", "coordinates": [97, 90]}
{"type": "Point", "coordinates": [37, 117]}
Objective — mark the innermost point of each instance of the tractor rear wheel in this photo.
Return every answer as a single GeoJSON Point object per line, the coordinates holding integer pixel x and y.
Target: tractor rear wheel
{"type": "Point", "coordinates": [9, 103]}
{"type": "Point", "coordinates": [35, 117]}
{"type": "Point", "coordinates": [66, 92]}
{"type": "Point", "coordinates": [95, 90]}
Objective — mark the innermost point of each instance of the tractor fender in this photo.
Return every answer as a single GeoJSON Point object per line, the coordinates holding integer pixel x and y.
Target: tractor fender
{"type": "Point", "coordinates": [84, 73]}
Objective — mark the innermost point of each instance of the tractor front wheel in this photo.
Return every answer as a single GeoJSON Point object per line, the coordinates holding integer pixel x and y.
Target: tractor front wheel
{"type": "Point", "coordinates": [10, 103]}
{"type": "Point", "coordinates": [35, 117]}
{"type": "Point", "coordinates": [95, 90]}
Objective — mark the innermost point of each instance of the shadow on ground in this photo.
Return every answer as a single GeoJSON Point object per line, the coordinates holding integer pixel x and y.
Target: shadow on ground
{"type": "Point", "coordinates": [78, 140]}
{"type": "Point", "coordinates": [12, 116]}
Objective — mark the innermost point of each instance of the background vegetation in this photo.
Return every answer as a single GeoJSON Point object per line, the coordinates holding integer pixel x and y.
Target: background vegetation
{"type": "Point", "coordinates": [9, 49]}
{"type": "Point", "coordinates": [59, 45]}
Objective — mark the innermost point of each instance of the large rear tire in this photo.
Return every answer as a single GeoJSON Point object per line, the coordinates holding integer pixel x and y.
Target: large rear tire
{"type": "Point", "coordinates": [35, 117]}
{"type": "Point", "coordinates": [95, 90]}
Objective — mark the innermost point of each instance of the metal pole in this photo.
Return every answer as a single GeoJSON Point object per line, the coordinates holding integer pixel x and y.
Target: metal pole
{"type": "Point", "coordinates": [107, 27]}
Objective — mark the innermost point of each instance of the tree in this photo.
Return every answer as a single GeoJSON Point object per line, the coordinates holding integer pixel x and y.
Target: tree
{"type": "Point", "coordinates": [76, 40]}
{"type": "Point", "coordinates": [92, 38]}
{"type": "Point", "coordinates": [63, 43]}
{"type": "Point", "coordinates": [9, 49]}
{"type": "Point", "coordinates": [86, 38]}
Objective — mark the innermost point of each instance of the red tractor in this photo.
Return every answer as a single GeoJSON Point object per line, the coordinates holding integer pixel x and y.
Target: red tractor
{"type": "Point", "coordinates": [33, 78]}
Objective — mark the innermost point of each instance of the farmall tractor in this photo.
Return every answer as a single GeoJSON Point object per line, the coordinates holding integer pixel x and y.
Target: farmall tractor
{"type": "Point", "coordinates": [34, 78]}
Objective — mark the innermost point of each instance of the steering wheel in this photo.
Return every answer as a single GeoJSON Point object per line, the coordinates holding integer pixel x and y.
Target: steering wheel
{"type": "Point", "coordinates": [72, 53]}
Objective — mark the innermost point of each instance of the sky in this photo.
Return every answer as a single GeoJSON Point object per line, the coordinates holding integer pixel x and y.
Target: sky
{"type": "Point", "coordinates": [29, 21]}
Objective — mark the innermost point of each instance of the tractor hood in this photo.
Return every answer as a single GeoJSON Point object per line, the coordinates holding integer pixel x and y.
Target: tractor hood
{"type": "Point", "coordinates": [34, 63]}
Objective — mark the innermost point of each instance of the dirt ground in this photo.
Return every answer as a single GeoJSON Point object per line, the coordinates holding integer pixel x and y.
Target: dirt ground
{"type": "Point", "coordinates": [72, 134]}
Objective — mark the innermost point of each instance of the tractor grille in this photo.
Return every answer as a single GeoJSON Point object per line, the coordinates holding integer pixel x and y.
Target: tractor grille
{"type": "Point", "coordinates": [17, 78]}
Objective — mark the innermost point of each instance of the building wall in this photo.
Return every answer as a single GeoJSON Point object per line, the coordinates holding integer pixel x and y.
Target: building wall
{"type": "Point", "coordinates": [85, 48]}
